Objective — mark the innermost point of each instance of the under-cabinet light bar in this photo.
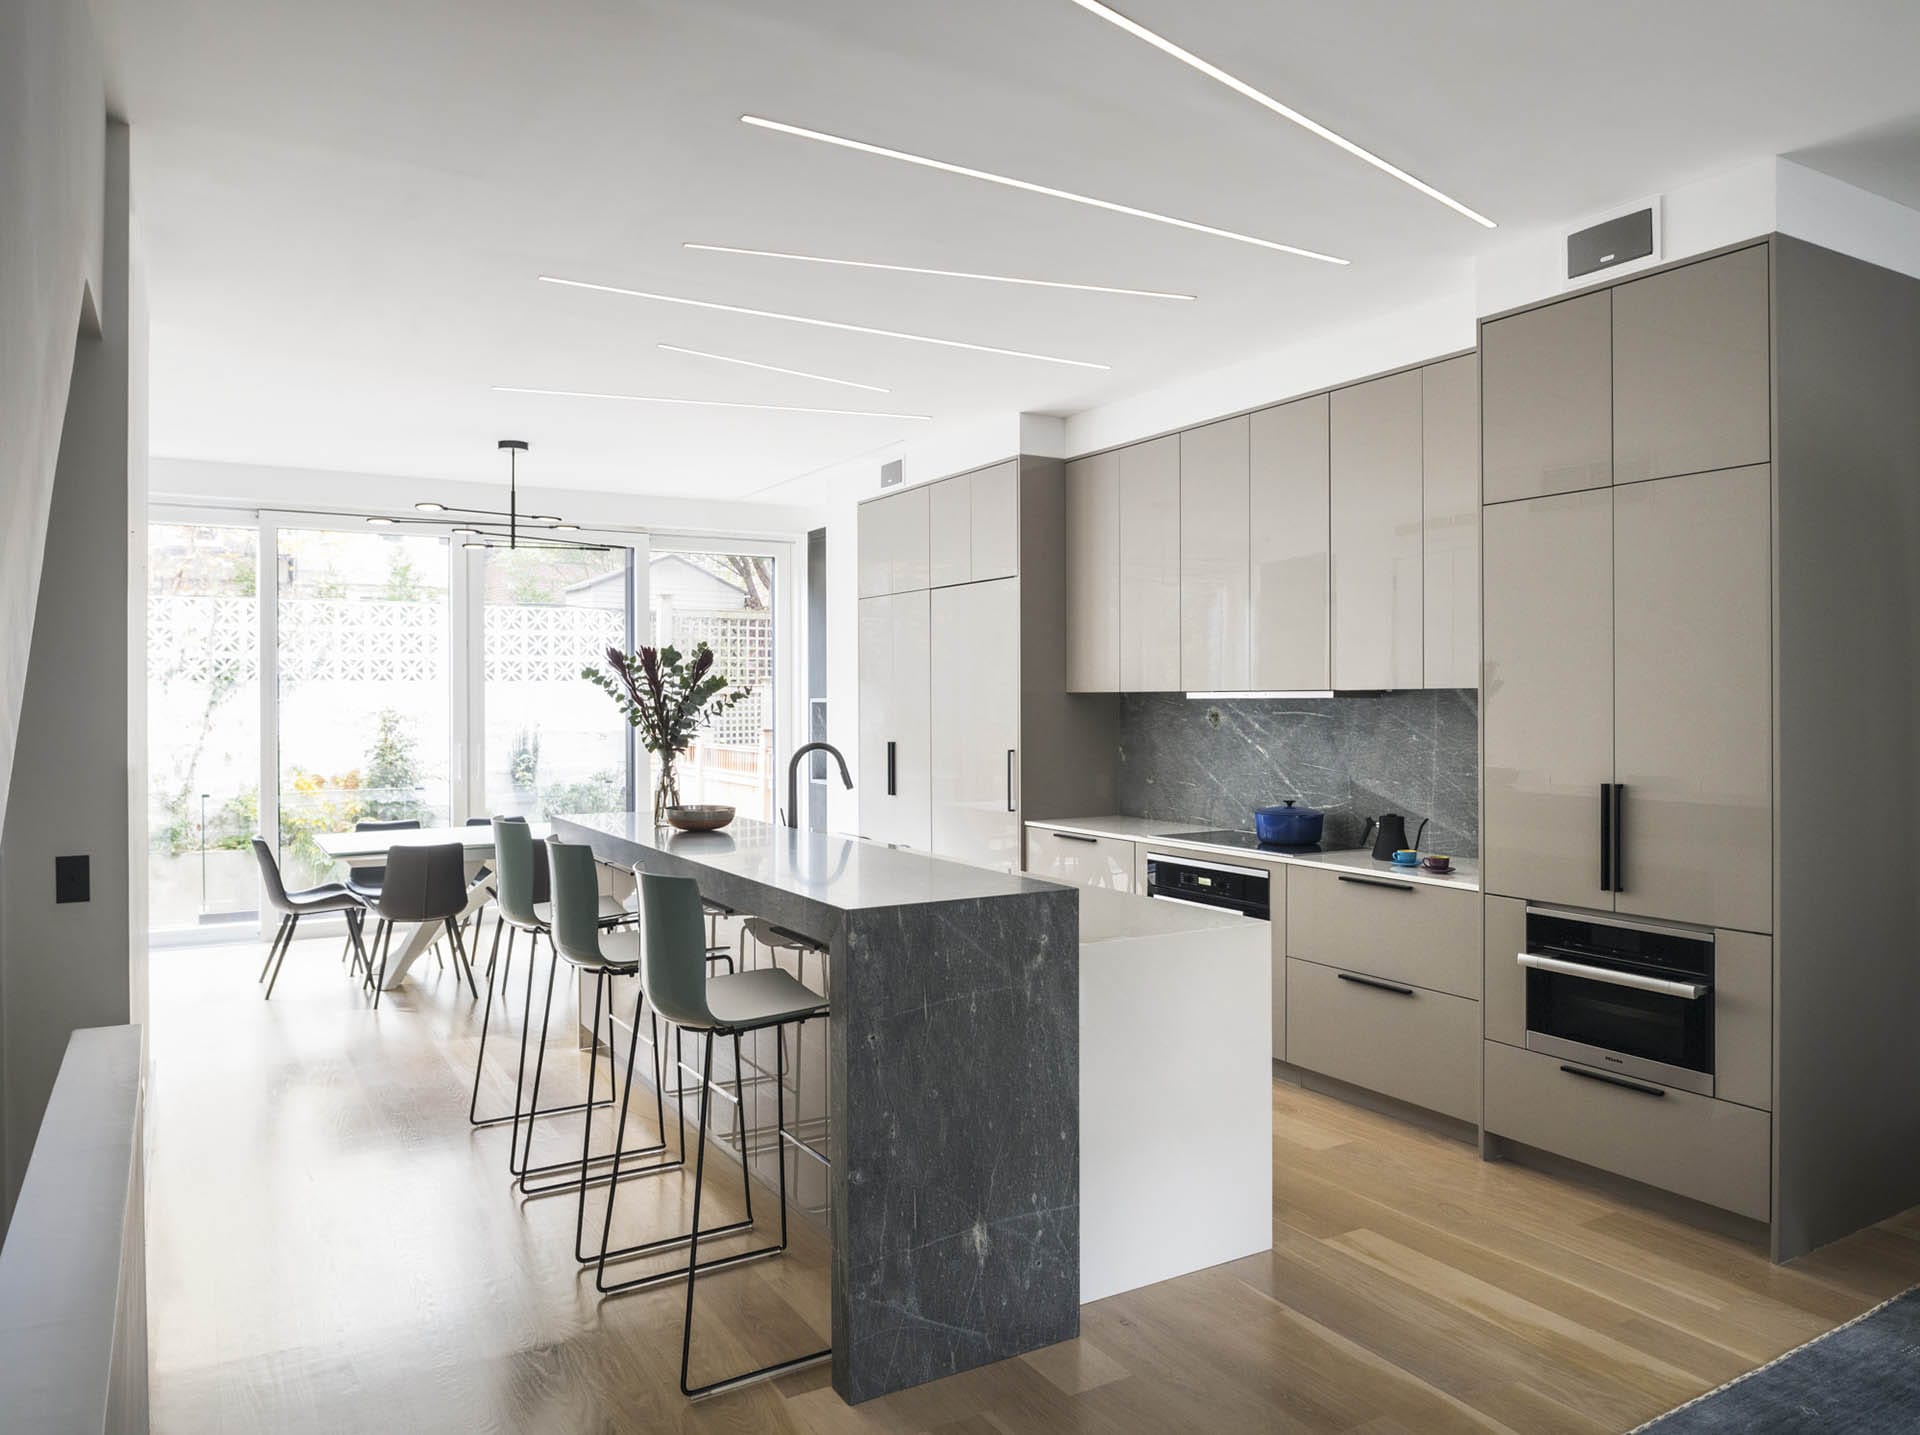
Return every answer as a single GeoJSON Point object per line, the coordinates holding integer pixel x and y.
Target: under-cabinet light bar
{"type": "Point", "coordinates": [820, 323]}
{"type": "Point", "coordinates": [705, 403]}
{"type": "Point", "coordinates": [991, 178]}
{"type": "Point", "coordinates": [1236, 697]}
{"type": "Point", "coordinates": [773, 368]}
{"type": "Point", "coordinates": [942, 273]}
{"type": "Point", "coordinates": [1267, 101]}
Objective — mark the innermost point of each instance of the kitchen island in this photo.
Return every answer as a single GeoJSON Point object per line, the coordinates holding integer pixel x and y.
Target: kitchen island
{"type": "Point", "coordinates": [953, 1084]}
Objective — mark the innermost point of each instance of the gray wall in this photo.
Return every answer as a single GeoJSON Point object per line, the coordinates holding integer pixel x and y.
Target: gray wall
{"type": "Point", "coordinates": [1416, 753]}
{"type": "Point", "coordinates": [1847, 634]}
{"type": "Point", "coordinates": [78, 775]}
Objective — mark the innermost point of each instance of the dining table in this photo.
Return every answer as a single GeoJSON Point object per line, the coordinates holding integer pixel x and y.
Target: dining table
{"type": "Point", "coordinates": [371, 849]}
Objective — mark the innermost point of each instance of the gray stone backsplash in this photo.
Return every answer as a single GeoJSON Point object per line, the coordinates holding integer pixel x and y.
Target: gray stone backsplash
{"type": "Point", "coordinates": [1353, 757]}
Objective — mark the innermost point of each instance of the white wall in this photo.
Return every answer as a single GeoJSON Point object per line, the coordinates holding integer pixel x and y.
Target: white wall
{"type": "Point", "coordinates": [77, 786]}
{"type": "Point", "coordinates": [52, 187]}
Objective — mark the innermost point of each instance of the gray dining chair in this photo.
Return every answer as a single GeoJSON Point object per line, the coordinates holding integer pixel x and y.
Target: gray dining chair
{"type": "Point", "coordinates": [292, 906]}
{"type": "Point", "coordinates": [424, 884]}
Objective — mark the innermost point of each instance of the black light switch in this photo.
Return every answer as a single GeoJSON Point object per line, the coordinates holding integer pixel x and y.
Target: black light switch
{"type": "Point", "coordinates": [72, 881]}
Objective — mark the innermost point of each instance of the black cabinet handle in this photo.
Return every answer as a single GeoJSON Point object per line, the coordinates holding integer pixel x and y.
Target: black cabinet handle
{"type": "Point", "coordinates": [1619, 1081]}
{"type": "Point", "coordinates": [1010, 803]}
{"type": "Point", "coordinates": [892, 771]}
{"type": "Point", "coordinates": [1619, 839]}
{"type": "Point", "coordinates": [1606, 837]}
{"type": "Point", "coordinates": [1074, 837]}
{"type": "Point", "coordinates": [1377, 882]}
{"type": "Point", "coordinates": [1376, 984]}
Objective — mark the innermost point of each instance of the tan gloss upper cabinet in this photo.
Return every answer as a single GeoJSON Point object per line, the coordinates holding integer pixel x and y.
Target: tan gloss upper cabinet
{"type": "Point", "coordinates": [1450, 449]}
{"type": "Point", "coordinates": [974, 526]}
{"type": "Point", "coordinates": [1547, 399]}
{"type": "Point", "coordinates": [1093, 573]}
{"type": "Point", "coordinates": [1546, 706]}
{"type": "Point", "coordinates": [1150, 566]}
{"type": "Point", "coordinates": [893, 544]}
{"type": "Point", "coordinates": [1693, 678]}
{"type": "Point", "coordinates": [1287, 541]}
{"type": "Point", "coordinates": [1691, 369]}
{"type": "Point", "coordinates": [975, 723]}
{"type": "Point", "coordinates": [896, 673]}
{"type": "Point", "coordinates": [1377, 533]}
{"type": "Point", "coordinates": [1214, 588]}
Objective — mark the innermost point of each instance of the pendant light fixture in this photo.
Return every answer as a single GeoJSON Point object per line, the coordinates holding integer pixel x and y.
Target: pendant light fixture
{"type": "Point", "coordinates": [503, 527]}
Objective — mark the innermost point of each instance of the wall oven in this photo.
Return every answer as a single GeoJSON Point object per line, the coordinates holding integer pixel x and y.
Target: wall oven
{"type": "Point", "coordinates": [1626, 997]}
{"type": "Point", "coordinates": [1198, 883]}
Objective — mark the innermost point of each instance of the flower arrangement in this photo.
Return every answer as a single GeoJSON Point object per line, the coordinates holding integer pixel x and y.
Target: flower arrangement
{"type": "Point", "coordinates": [667, 697]}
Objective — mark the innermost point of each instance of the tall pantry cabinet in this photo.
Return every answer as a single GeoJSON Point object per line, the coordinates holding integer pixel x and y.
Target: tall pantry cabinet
{"type": "Point", "coordinates": [1701, 487]}
{"type": "Point", "coordinates": [965, 724]}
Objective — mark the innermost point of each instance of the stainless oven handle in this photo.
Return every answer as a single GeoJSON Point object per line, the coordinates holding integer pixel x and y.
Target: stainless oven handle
{"type": "Point", "coordinates": [1692, 991]}
{"type": "Point", "coordinates": [1188, 902]}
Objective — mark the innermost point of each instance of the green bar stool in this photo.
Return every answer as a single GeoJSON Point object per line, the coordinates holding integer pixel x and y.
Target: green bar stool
{"type": "Point", "coordinates": [521, 897]}
{"type": "Point", "coordinates": [673, 974]}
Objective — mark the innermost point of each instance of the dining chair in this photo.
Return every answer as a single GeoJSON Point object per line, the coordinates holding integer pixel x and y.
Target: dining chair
{"type": "Point", "coordinates": [365, 881]}
{"type": "Point", "coordinates": [292, 906]}
{"type": "Point", "coordinates": [424, 884]}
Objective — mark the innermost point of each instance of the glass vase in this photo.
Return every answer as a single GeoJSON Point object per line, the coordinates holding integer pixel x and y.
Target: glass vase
{"type": "Point", "coordinates": [666, 786]}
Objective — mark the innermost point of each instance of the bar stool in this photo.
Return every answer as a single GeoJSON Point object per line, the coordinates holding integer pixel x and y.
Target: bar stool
{"type": "Point", "coordinates": [521, 893]}
{"type": "Point", "coordinates": [599, 954]}
{"type": "Point", "coordinates": [777, 939]}
{"type": "Point", "coordinates": [292, 906]}
{"type": "Point", "coordinates": [734, 1005]}
{"type": "Point", "coordinates": [426, 885]}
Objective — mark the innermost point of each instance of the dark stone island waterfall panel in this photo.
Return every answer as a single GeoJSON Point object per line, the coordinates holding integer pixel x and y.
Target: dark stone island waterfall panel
{"type": "Point", "coordinates": [957, 1217]}
{"type": "Point", "coordinates": [954, 1068]}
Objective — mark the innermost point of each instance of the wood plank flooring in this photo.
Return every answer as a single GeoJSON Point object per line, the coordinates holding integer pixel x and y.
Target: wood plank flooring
{"type": "Point", "coordinates": [332, 1248]}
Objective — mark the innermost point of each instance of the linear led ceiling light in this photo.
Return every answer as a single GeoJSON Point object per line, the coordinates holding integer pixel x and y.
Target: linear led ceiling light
{"type": "Point", "coordinates": [819, 323]}
{"type": "Point", "coordinates": [773, 368]}
{"type": "Point", "coordinates": [942, 273]}
{"type": "Point", "coordinates": [1267, 101]}
{"type": "Point", "coordinates": [1032, 188]}
{"type": "Point", "coordinates": [706, 403]}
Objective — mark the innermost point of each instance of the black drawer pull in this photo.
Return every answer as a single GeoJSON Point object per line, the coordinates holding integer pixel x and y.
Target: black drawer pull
{"type": "Point", "coordinates": [1378, 882]}
{"type": "Point", "coordinates": [1074, 837]}
{"type": "Point", "coordinates": [1375, 983]}
{"type": "Point", "coordinates": [893, 786]}
{"type": "Point", "coordinates": [1619, 1081]}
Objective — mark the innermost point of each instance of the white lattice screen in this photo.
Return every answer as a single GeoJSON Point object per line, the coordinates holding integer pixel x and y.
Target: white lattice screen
{"type": "Point", "coordinates": [534, 644]}
{"type": "Point", "coordinates": [742, 644]}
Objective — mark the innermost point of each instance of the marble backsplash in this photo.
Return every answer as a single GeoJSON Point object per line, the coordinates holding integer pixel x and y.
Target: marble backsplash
{"type": "Point", "coordinates": [1415, 753]}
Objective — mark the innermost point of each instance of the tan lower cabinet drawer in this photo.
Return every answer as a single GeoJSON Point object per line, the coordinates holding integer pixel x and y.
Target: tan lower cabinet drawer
{"type": "Point", "coordinates": [1417, 1046]}
{"type": "Point", "coordinates": [1080, 859]}
{"type": "Point", "coordinates": [1411, 932]}
{"type": "Point", "coordinates": [1694, 1146]}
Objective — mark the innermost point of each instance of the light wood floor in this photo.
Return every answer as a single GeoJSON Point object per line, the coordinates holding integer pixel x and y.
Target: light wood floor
{"type": "Point", "coordinates": [332, 1249]}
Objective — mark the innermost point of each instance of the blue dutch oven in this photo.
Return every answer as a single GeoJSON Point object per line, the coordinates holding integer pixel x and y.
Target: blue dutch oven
{"type": "Point", "coordinates": [1287, 825]}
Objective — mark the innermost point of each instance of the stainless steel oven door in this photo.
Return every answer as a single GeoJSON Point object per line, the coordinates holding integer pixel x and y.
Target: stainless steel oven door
{"type": "Point", "coordinates": [1616, 1020]}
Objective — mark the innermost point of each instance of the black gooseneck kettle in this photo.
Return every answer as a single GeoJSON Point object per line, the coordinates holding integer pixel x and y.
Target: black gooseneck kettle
{"type": "Point", "coordinates": [1389, 833]}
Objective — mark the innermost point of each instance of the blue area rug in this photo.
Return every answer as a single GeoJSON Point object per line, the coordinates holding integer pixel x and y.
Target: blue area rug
{"type": "Point", "coordinates": [1863, 1376]}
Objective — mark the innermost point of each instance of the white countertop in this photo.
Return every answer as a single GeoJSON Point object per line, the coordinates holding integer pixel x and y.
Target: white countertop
{"type": "Point", "coordinates": [839, 873]}
{"type": "Point", "coordinates": [1465, 875]}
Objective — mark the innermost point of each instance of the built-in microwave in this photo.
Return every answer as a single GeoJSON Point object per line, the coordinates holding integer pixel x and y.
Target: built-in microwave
{"type": "Point", "coordinates": [1626, 997]}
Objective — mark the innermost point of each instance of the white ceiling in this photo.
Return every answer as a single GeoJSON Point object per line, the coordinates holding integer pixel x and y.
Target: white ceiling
{"type": "Point", "coordinates": [346, 204]}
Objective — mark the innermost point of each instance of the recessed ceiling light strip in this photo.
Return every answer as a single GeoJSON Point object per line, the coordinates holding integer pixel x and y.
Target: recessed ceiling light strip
{"type": "Point", "coordinates": [819, 323]}
{"type": "Point", "coordinates": [1032, 188]}
{"type": "Point", "coordinates": [705, 403]}
{"type": "Point", "coordinates": [943, 273]}
{"type": "Point", "coordinates": [1286, 112]}
{"type": "Point", "coordinates": [773, 368]}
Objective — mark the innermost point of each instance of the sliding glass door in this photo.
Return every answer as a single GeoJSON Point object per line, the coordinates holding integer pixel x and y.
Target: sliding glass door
{"type": "Point", "coordinates": [203, 720]}
{"type": "Point", "coordinates": [552, 742]}
{"type": "Point", "coordinates": [725, 598]}
{"type": "Point", "coordinates": [365, 687]}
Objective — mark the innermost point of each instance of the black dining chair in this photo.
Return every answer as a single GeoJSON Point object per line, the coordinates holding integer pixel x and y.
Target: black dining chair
{"type": "Point", "coordinates": [424, 884]}
{"type": "Point", "coordinates": [292, 906]}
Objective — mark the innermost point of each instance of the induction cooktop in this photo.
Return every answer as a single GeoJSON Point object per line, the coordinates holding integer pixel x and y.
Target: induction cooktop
{"type": "Point", "coordinates": [1243, 841]}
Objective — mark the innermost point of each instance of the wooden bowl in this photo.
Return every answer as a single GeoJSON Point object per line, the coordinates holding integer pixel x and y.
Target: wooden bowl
{"type": "Point", "coordinates": [699, 818]}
